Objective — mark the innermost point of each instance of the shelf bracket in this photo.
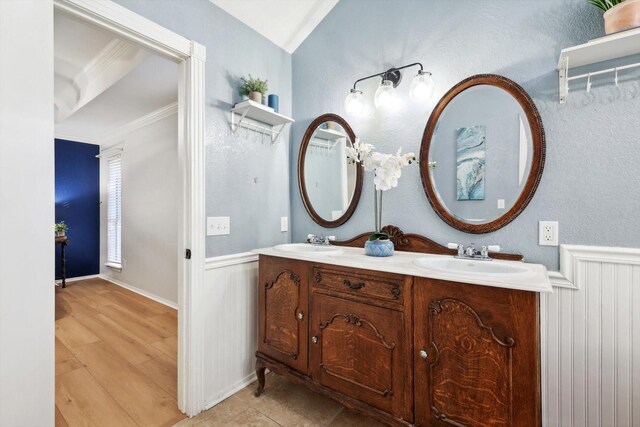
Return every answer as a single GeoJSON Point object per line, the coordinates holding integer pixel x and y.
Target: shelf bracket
{"type": "Point", "coordinates": [234, 126]}
{"type": "Point", "coordinates": [563, 79]}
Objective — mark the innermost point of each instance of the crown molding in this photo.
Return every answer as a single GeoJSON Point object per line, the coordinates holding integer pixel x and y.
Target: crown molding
{"type": "Point", "coordinates": [140, 122]}
{"type": "Point", "coordinates": [111, 64]}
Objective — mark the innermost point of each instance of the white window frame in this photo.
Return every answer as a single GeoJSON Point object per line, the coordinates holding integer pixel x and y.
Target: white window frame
{"type": "Point", "coordinates": [114, 262]}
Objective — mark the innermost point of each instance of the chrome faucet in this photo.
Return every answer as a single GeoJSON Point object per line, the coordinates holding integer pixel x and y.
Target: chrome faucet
{"type": "Point", "coordinates": [320, 240]}
{"type": "Point", "coordinates": [470, 252]}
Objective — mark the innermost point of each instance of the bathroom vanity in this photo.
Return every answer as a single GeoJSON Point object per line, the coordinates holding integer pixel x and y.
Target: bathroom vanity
{"type": "Point", "coordinates": [419, 338]}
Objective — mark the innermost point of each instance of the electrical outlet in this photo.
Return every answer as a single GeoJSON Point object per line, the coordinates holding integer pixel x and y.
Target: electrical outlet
{"type": "Point", "coordinates": [218, 225]}
{"type": "Point", "coordinates": [284, 223]}
{"type": "Point", "coordinates": [548, 233]}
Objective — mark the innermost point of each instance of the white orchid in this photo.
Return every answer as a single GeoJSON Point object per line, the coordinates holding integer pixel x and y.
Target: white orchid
{"type": "Point", "coordinates": [386, 167]}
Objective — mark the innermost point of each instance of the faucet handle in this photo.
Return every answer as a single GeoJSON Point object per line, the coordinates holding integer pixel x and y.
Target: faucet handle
{"type": "Point", "coordinates": [311, 238]}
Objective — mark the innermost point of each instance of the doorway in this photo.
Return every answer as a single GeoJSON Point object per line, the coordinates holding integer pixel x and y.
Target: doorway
{"type": "Point", "coordinates": [189, 57]}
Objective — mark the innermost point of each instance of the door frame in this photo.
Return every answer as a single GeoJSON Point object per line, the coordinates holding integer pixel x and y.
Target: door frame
{"type": "Point", "coordinates": [190, 57]}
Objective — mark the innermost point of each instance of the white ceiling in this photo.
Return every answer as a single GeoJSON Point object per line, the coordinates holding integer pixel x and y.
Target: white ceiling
{"type": "Point", "coordinates": [285, 22]}
{"type": "Point", "coordinates": [103, 82]}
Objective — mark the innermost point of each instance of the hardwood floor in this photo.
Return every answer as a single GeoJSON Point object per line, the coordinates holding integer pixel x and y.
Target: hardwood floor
{"type": "Point", "coordinates": [115, 357]}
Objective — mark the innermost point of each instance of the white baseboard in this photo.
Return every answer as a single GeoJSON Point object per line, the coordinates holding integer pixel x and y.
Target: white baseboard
{"type": "Point", "coordinates": [140, 292]}
{"type": "Point", "coordinates": [76, 279]}
{"type": "Point", "coordinates": [219, 397]}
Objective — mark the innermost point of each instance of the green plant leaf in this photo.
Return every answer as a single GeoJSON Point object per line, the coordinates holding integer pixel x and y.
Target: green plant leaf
{"type": "Point", "coordinates": [378, 236]}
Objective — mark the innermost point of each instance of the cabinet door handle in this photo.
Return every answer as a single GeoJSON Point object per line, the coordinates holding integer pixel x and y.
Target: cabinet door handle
{"type": "Point", "coordinates": [300, 315]}
{"type": "Point", "coordinates": [314, 340]}
{"type": "Point", "coordinates": [354, 286]}
{"type": "Point", "coordinates": [423, 353]}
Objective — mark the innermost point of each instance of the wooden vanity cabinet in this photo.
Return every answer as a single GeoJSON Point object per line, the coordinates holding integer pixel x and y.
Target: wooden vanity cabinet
{"type": "Point", "coordinates": [283, 307]}
{"type": "Point", "coordinates": [476, 355]}
{"type": "Point", "coordinates": [361, 336]}
{"type": "Point", "coordinates": [404, 350]}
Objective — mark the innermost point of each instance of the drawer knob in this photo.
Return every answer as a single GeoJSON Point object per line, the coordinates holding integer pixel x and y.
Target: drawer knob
{"type": "Point", "coordinates": [300, 316]}
{"type": "Point", "coordinates": [423, 353]}
{"type": "Point", "coordinates": [354, 286]}
{"type": "Point", "coordinates": [314, 340]}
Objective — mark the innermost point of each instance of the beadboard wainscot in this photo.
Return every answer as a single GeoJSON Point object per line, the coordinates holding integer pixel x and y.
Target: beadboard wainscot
{"type": "Point", "coordinates": [590, 339]}
{"type": "Point", "coordinates": [230, 307]}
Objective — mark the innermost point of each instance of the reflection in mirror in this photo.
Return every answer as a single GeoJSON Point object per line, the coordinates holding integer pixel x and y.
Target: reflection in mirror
{"type": "Point", "coordinates": [483, 152]}
{"type": "Point", "coordinates": [485, 144]}
{"type": "Point", "coordinates": [330, 185]}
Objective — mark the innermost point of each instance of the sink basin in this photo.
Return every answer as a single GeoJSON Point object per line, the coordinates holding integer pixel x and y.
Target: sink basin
{"type": "Point", "coordinates": [307, 248]}
{"type": "Point", "coordinates": [472, 267]}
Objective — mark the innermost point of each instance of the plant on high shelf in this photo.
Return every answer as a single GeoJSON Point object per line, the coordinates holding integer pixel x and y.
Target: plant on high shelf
{"type": "Point", "coordinates": [60, 229]}
{"type": "Point", "coordinates": [387, 170]}
{"type": "Point", "coordinates": [619, 15]}
{"type": "Point", "coordinates": [253, 88]}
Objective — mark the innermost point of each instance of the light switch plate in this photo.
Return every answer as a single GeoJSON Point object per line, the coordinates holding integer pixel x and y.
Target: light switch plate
{"type": "Point", "coordinates": [548, 233]}
{"type": "Point", "coordinates": [284, 223]}
{"type": "Point", "coordinates": [218, 225]}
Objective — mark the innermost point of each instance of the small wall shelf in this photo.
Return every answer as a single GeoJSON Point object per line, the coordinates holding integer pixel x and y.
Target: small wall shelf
{"type": "Point", "coordinates": [252, 110]}
{"type": "Point", "coordinates": [613, 46]}
{"type": "Point", "coordinates": [328, 134]}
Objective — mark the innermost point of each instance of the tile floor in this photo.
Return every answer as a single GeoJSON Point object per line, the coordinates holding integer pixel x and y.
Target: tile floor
{"type": "Point", "coordinates": [282, 404]}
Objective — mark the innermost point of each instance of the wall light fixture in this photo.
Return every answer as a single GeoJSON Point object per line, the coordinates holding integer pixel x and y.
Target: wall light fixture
{"type": "Point", "coordinates": [421, 89]}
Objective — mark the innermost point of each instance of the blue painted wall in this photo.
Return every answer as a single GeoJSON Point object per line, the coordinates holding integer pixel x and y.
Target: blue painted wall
{"type": "Point", "coordinates": [247, 177]}
{"type": "Point", "coordinates": [77, 174]}
{"type": "Point", "coordinates": [590, 181]}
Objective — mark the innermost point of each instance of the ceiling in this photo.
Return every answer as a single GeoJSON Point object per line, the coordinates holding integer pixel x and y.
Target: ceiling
{"type": "Point", "coordinates": [104, 82]}
{"type": "Point", "coordinates": [285, 22]}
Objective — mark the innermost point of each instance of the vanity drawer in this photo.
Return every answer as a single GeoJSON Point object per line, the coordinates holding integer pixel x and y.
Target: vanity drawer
{"type": "Point", "coordinates": [383, 287]}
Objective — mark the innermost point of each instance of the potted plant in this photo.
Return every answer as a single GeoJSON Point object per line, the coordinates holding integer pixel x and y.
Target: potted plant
{"type": "Point", "coordinates": [619, 15]}
{"type": "Point", "coordinates": [60, 229]}
{"type": "Point", "coordinates": [253, 88]}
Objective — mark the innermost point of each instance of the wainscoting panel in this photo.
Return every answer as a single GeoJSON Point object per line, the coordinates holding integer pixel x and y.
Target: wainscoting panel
{"type": "Point", "coordinates": [591, 340]}
{"type": "Point", "coordinates": [231, 302]}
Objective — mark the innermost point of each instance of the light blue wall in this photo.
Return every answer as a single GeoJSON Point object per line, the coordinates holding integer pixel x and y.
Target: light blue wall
{"type": "Point", "coordinates": [590, 182]}
{"type": "Point", "coordinates": [247, 178]}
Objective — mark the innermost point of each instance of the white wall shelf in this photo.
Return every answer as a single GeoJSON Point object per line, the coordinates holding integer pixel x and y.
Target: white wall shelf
{"type": "Point", "coordinates": [273, 122]}
{"type": "Point", "coordinates": [328, 134]}
{"type": "Point", "coordinates": [614, 46]}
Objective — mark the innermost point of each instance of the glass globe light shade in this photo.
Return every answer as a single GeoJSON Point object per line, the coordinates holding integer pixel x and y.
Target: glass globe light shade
{"type": "Point", "coordinates": [354, 103]}
{"type": "Point", "coordinates": [386, 95]}
{"type": "Point", "coordinates": [422, 86]}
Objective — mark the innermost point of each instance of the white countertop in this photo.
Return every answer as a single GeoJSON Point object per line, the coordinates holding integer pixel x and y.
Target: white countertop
{"type": "Point", "coordinates": [534, 279]}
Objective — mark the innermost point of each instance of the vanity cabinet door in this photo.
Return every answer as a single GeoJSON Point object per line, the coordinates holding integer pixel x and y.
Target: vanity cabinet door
{"type": "Point", "coordinates": [282, 311]}
{"type": "Point", "coordinates": [357, 350]}
{"type": "Point", "coordinates": [476, 355]}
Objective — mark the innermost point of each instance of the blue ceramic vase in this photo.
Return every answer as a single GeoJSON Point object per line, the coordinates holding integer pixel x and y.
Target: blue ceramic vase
{"type": "Point", "coordinates": [378, 248]}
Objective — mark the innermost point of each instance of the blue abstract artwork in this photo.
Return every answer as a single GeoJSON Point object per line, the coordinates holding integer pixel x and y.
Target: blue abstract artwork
{"type": "Point", "coordinates": [470, 162]}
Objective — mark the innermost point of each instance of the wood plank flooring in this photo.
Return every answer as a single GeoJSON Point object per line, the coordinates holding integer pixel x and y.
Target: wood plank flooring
{"type": "Point", "coordinates": [115, 357]}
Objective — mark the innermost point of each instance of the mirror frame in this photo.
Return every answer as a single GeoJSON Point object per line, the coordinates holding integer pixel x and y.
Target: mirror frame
{"type": "Point", "coordinates": [537, 158]}
{"type": "Point", "coordinates": [306, 140]}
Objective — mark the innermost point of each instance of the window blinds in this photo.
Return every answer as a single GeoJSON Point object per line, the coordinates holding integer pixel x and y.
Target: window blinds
{"type": "Point", "coordinates": [114, 210]}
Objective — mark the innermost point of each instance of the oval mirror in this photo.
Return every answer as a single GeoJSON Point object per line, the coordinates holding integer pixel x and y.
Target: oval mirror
{"type": "Point", "coordinates": [330, 185]}
{"type": "Point", "coordinates": [485, 148]}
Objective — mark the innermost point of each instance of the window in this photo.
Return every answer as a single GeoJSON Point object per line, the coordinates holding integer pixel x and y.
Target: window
{"type": "Point", "coordinates": [114, 211]}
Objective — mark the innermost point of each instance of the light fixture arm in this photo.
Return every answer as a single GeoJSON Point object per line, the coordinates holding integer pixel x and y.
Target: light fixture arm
{"type": "Point", "coordinates": [392, 74]}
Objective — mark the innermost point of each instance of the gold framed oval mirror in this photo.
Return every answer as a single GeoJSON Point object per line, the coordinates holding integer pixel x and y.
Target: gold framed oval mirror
{"type": "Point", "coordinates": [329, 184]}
{"type": "Point", "coordinates": [485, 147]}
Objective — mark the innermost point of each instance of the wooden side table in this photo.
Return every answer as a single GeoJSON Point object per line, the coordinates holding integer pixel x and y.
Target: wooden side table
{"type": "Point", "coordinates": [62, 241]}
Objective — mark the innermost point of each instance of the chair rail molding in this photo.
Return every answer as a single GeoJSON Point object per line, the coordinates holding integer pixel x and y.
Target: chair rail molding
{"type": "Point", "coordinates": [572, 255]}
{"type": "Point", "coordinates": [229, 260]}
{"type": "Point", "coordinates": [190, 57]}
